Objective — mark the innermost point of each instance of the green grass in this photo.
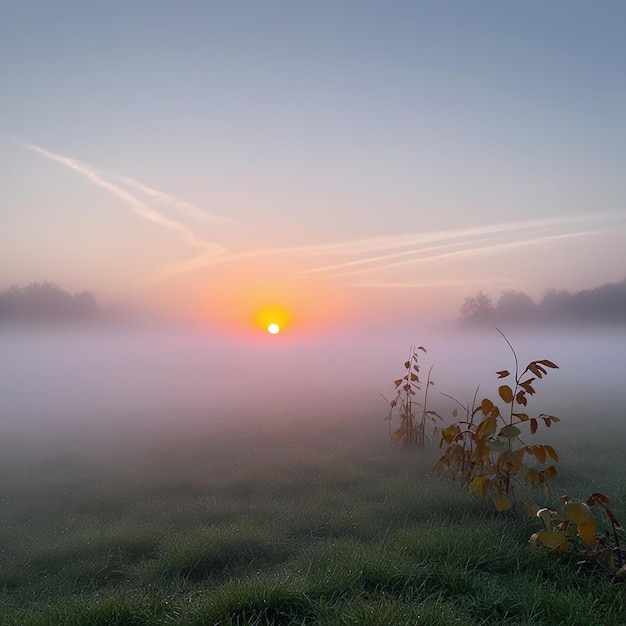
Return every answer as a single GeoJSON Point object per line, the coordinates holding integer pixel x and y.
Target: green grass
{"type": "Point", "coordinates": [315, 524]}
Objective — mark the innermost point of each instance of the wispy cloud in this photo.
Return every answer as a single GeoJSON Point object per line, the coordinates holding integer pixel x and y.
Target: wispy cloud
{"type": "Point", "coordinates": [476, 241]}
{"type": "Point", "coordinates": [482, 249]}
{"type": "Point", "coordinates": [377, 254]}
{"type": "Point", "coordinates": [169, 200]}
{"type": "Point", "coordinates": [139, 207]}
{"type": "Point", "coordinates": [347, 258]}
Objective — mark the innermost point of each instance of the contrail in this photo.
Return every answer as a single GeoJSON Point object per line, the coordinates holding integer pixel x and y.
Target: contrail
{"type": "Point", "coordinates": [177, 203]}
{"type": "Point", "coordinates": [385, 257]}
{"type": "Point", "coordinates": [351, 257]}
{"type": "Point", "coordinates": [405, 245]}
{"type": "Point", "coordinates": [449, 239]}
{"type": "Point", "coordinates": [384, 243]}
{"type": "Point", "coordinates": [137, 206]}
{"type": "Point", "coordinates": [477, 251]}
{"type": "Point", "coordinates": [398, 242]}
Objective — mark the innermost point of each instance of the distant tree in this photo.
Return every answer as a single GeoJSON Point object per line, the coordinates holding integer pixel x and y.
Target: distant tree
{"type": "Point", "coordinates": [477, 309]}
{"type": "Point", "coordinates": [515, 306]}
{"type": "Point", "coordinates": [45, 302]}
{"type": "Point", "coordinates": [606, 303]}
{"type": "Point", "coordinates": [85, 303]}
{"type": "Point", "coordinates": [555, 305]}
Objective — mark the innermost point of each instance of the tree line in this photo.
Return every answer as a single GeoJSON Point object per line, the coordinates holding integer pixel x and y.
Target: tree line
{"type": "Point", "coordinates": [605, 304]}
{"type": "Point", "coordinates": [47, 302]}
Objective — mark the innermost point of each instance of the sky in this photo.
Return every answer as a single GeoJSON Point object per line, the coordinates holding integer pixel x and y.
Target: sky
{"type": "Point", "coordinates": [322, 164]}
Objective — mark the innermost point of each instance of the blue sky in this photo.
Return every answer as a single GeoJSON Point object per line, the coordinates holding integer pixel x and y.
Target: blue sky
{"type": "Point", "coordinates": [381, 156]}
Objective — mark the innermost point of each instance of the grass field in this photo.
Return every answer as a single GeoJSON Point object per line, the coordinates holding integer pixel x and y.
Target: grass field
{"type": "Point", "coordinates": [302, 523]}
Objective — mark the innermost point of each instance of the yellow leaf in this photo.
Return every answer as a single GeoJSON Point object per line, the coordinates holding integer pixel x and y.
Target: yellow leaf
{"type": "Point", "coordinates": [448, 434]}
{"type": "Point", "coordinates": [540, 453]}
{"type": "Point", "coordinates": [486, 428]}
{"type": "Point", "coordinates": [502, 502]}
{"type": "Point", "coordinates": [506, 393]}
{"type": "Point", "coordinates": [552, 452]}
{"type": "Point", "coordinates": [587, 532]}
{"type": "Point", "coordinates": [550, 472]}
{"type": "Point", "coordinates": [551, 538]}
{"type": "Point", "coordinates": [486, 406]}
{"type": "Point", "coordinates": [577, 512]}
{"type": "Point", "coordinates": [482, 450]}
{"type": "Point", "coordinates": [532, 476]}
{"type": "Point", "coordinates": [480, 484]}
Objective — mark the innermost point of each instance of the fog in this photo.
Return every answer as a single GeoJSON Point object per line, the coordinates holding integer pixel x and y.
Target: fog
{"type": "Point", "coordinates": [142, 378]}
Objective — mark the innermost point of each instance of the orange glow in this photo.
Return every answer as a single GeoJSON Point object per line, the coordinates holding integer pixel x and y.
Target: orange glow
{"type": "Point", "coordinates": [246, 298]}
{"type": "Point", "coordinates": [271, 316]}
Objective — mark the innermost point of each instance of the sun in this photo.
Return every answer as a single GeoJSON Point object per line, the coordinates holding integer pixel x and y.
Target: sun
{"type": "Point", "coordinates": [272, 319]}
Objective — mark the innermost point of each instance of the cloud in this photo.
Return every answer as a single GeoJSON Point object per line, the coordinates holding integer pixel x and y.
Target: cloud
{"type": "Point", "coordinates": [344, 258]}
{"type": "Point", "coordinates": [209, 249]}
{"type": "Point", "coordinates": [475, 250]}
{"type": "Point", "coordinates": [475, 241]}
{"type": "Point", "coordinates": [171, 201]}
{"type": "Point", "coordinates": [405, 249]}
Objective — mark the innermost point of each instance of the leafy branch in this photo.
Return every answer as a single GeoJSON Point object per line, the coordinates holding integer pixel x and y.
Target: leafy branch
{"type": "Point", "coordinates": [414, 417]}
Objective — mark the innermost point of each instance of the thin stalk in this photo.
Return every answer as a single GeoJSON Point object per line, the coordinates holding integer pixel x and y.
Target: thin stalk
{"type": "Point", "coordinates": [517, 378]}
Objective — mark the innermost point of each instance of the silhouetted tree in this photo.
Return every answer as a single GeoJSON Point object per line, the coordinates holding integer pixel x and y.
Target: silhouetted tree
{"type": "Point", "coordinates": [477, 309]}
{"type": "Point", "coordinates": [555, 304]}
{"type": "Point", "coordinates": [606, 303]}
{"type": "Point", "coordinates": [603, 304]}
{"type": "Point", "coordinates": [45, 302]}
{"type": "Point", "coordinates": [514, 306]}
{"type": "Point", "coordinates": [85, 304]}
